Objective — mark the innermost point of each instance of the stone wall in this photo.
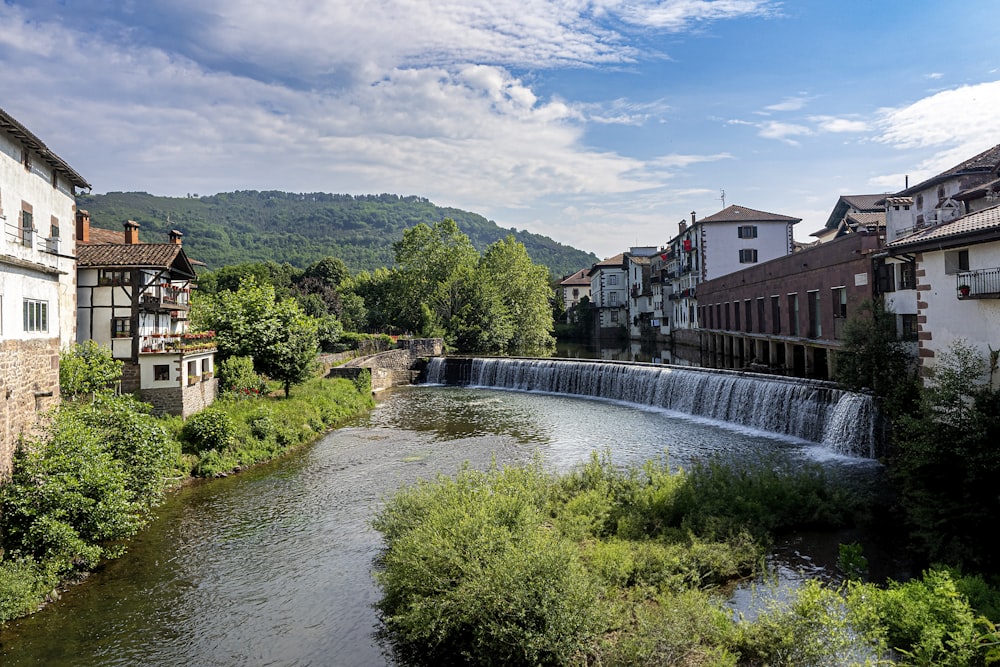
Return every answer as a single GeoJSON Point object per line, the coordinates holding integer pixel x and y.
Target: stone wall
{"type": "Point", "coordinates": [29, 386]}
{"type": "Point", "coordinates": [395, 367]}
{"type": "Point", "coordinates": [183, 401]}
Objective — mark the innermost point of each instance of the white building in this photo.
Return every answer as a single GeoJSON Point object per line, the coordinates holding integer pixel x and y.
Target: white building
{"type": "Point", "coordinates": [574, 288]}
{"type": "Point", "coordinates": [609, 296]}
{"type": "Point", "coordinates": [948, 228]}
{"type": "Point", "coordinates": [37, 278]}
{"type": "Point", "coordinates": [735, 238]}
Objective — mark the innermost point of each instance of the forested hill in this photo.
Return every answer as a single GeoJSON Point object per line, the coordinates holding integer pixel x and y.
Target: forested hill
{"type": "Point", "coordinates": [251, 226]}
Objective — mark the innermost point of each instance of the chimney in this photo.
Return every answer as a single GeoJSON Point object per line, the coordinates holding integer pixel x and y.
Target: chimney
{"type": "Point", "coordinates": [83, 226]}
{"type": "Point", "coordinates": [131, 232]}
{"type": "Point", "coordinates": [176, 237]}
{"type": "Point", "coordinates": [692, 218]}
{"type": "Point", "coordinates": [681, 226]}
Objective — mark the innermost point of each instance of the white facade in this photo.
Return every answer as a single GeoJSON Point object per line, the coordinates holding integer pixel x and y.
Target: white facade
{"type": "Point", "coordinates": [609, 292]}
{"type": "Point", "coordinates": [725, 251]}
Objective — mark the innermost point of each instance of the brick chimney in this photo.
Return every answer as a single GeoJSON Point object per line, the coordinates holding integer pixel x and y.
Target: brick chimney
{"type": "Point", "coordinates": [176, 237]}
{"type": "Point", "coordinates": [131, 232]}
{"type": "Point", "coordinates": [681, 226]}
{"type": "Point", "coordinates": [82, 226]}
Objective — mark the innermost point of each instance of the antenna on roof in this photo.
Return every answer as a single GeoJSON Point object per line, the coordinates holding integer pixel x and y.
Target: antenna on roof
{"type": "Point", "coordinates": [722, 196]}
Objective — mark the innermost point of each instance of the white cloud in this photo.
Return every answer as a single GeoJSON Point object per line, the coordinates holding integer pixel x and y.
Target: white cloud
{"type": "Point", "coordinates": [783, 131]}
{"type": "Point", "coordinates": [789, 104]}
{"type": "Point", "coordinates": [953, 125]}
{"type": "Point", "coordinates": [835, 124]}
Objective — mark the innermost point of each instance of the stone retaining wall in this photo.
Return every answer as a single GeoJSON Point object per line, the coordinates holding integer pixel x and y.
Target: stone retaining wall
{"type": "Point", "coordinates": [29, 386]}
{"type": "Point", "coordinates": [393, 368]}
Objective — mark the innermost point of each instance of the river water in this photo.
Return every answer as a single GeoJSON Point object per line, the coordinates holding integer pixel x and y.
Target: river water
{"type": "Point", "coordinates": [273, 566]}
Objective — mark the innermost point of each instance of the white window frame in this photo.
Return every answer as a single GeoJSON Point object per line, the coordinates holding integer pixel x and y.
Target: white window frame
{"type": "Point", "coordinates": [36, 316]}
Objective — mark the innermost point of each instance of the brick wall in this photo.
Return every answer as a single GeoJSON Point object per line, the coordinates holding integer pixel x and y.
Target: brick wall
{"type": "Point", "coordinates": [29, 386]}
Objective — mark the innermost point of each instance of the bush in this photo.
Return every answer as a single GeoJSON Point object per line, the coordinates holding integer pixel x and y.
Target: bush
{"type": "Point", "coordinates": [86, 368]}
{"type": "Point", "coordinates": [23, 584]}
{"type": "Point", "coordinates": [238, 378]}
{"type": "Point", "coordinates": [209, 429]}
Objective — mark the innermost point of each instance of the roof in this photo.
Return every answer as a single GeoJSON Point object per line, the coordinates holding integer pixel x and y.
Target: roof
{"type": "Point", "coordinates": [867, 219]}
{"type": "Point", "coordinates": [578, 278]}
{"type": "Point", "coordinates": [743, 214]}
{"type": "Point", "coordinates": [25, 136]}
{"type": "Point", "coordinates": [618, 261]}
{"type": "Point", "coordinates": [978, 191]}
{"type": "Point", "coordinates": [98, 235]}
{"type": "Point", "coordinates": [984, 222]}
{"type": "Point", "coordinates": [859, 203]}
{"type": "Point", "coordinates": [984, 163]}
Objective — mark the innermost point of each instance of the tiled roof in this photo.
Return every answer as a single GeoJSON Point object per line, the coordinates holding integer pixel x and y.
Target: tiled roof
{"type": "Point", "coordinates": [24, 135]}
{"type": "Point", "coordinates": [980, 221]}
{"type": "Point", "coordinates": [867, 219]}
{"type": "Point", "coordinates": [578, 278]}
{"type": "Point", "coordinates": [865, 203]}
{"type": "Point", "coordinates": [978, 191]}
{"type": "Point", "coordinates": [98, 236]}
{"type": "Point", "coordinates": [986, 161]}
{"type": "Point", "coordinates": [743, 214]}
{"type": "Point", "coordinates": [616, 261]}
{"type": "Point", "coordinates": [127, 255]}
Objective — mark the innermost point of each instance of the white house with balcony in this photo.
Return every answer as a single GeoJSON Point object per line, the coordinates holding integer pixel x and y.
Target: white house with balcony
{"type": "Point", "coordinates": [134, 299]}
{"type": "Point", "coordinates": [951, 234]}
{"type": "Point", "coordinates": [37, 278]}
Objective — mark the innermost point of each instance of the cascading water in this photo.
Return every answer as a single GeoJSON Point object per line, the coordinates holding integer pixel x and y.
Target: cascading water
{"type": "Point", "coordinates": [844, 422]}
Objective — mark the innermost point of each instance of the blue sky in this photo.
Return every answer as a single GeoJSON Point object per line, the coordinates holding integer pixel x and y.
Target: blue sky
{"type": "Point", "coordinates": [600, 123]}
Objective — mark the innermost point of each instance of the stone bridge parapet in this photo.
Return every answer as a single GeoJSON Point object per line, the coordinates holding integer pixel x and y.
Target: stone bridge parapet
{"type": "Point", "coordinates": [393, 368]}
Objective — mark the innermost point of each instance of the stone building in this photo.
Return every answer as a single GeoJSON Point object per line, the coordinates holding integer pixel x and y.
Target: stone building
{"type": "Point", "coordinates": [133, 298]}
{"type": "Point", "coordinates": [37, 278]}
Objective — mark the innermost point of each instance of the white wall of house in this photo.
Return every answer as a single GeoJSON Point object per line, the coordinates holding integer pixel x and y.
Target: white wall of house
{"type": "Point", "coordinates": [721, 245]}
{"type": "Point", "coordinates": [950, 318]}
{"type": "Point", "coordinates": [609, 294]}
{"type": "Point", "coordinates": [37, 262]}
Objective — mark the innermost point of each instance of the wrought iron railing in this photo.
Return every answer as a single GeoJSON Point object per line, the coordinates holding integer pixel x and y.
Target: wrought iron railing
{"type": "Point", "coordinates": [978, 284]}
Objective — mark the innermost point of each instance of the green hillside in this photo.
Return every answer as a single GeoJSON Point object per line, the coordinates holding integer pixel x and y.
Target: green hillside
{"type": "Point", "coordinates": [251, 226]}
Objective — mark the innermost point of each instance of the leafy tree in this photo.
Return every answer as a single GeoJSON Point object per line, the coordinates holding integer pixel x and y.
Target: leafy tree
{"type": "Point", "coordinates": [279, 337]}
{"type": "Point", "coordinates": [524, 292]}
{"type": "Point", "coordinates": [873, 357]}
{"type": "Point", "coordinates": [330, 271]}
{"type": "Point", "coordinates": [432, 259]}
{"type": "Point", "coordinates": [87, 368]}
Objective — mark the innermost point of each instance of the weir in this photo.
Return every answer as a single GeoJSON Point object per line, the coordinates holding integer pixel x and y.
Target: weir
{"type": "Point", "coordinates": [842, 421]}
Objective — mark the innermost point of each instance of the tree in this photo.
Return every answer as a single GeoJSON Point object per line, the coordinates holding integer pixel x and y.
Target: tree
{"type": "Point", "coordinates": [279, 337]}
{"type": "Point", "coordinates": [330, 270]}
{"type": "Point", "coordinates": [431, 259]}
{"type": "Point", "coordinates": [524, 291]}
{"type": "Point", "coordinates": [87, 368]}
{"type": "Point", "coordinates": [872, 357]}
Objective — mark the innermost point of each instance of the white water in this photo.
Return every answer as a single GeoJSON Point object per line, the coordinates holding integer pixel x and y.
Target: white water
{"type": "Point", "coordinates": [842, 421]}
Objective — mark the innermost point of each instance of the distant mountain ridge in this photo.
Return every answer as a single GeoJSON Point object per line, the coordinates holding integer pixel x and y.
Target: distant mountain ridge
{"type": "Point", "coordinates": [300, 228]}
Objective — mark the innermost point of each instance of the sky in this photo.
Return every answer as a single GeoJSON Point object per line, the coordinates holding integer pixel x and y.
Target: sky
{"type": "Point", "coordinates": [599, 123]}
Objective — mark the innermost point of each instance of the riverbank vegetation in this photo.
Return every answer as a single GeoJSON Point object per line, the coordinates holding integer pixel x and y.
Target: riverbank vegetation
{"type": "Point", "coordinates": [519, 566]}
{"type": "Point", "coordinates": [90, 481]}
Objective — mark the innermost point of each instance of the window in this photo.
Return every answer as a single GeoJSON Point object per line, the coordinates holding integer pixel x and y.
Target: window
{"type": "Point", "coordinates": [736, 315]}
{"type": "Point", "coordinates": [955, 261]}
{"type": "Point", "coordinates": [121, 327]}
{"type": "Point", "coordinates": [885, 275]}
{"type": "Point", "coordinates": [920, 202]}
{"type": "Point", "coordinates": [576, 292]}
{"type": "Point", "coordinates": [839, 302]}
{"type": "Point", "coordinates": [748, 255]}
{"type": "Point", "coordinates": [815, 315]}
{"type": "Point", "coordinates": [908, 275]}
{"type": "Point", "coordinates": [728, 322]}
{"type": "Point", "coordinates": [27, 228]}
{"type": "Point", "coordinates": [909, 327]}
{"type": "Point", "coordinates": [746, 305]}
{"type": "Point", "coordinates": [612, 279]}
{"type": "Point", "coordinates": [760, 314]}
{"type": "Point", "coordinates": [776, 314]}
{"type": "Point", "coordinates": [26, 159]}
{"type": "Point", "coordinates": [747, 232]}
{"type": "Point", "coordinates": [36, 315]}
{"type": "Point", "coordinates": [161, 372]}
{"type": "Point", "coordinates": [613, 299]}
{"type": "Point", "coordinates": [614, 317]}
{"type": "Point", "coordinates": [206, 365]}
{"type": "Point", "coordinates": [54, 227]}
{"type": "Point", "coordinates": [793, 314]}
{"type": "Point", "coordinates": [109, 277]}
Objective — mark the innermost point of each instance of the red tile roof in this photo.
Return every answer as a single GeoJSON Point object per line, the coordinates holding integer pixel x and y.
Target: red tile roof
{"type": "Point", "coordinates": [127, 255]}
{"type": "Point", "coordinates": [736, 213]}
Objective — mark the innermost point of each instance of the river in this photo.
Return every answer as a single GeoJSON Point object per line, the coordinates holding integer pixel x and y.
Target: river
{"type": "Point", "coordinates": [273, 566]}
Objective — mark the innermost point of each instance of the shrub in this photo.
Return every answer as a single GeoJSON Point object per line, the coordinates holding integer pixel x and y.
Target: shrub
{"type": "Point", "coordinates": [86, 368]}
{"type": "Point", "coordinates": [238, 378]}
{"type": "Point", "coordinates": [209, 429]}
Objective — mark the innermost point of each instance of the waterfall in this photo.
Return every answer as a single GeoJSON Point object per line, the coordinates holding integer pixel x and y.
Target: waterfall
{"type": "Point", "coordinates": [816, 412]}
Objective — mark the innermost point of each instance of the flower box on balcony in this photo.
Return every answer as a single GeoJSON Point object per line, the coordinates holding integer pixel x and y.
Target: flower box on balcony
{"type": "Point", "coordinates": [192, 380]}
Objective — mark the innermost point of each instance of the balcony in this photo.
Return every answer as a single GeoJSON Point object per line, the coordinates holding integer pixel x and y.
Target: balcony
{"type": "Point", "coordinates": [165, 297]}
{"type": "Point", "coordinates": [978, 284]}
{"type": "Point", "coordinates": [177, 343]}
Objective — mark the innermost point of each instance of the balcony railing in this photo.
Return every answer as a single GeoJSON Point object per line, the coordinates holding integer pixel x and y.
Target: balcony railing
{"type": "Point", "coordinates": [978, 284]}
{"type": "Point", "coordinates": [166, 297]}
{"type": "Point", "coordinates": [177, 343]}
